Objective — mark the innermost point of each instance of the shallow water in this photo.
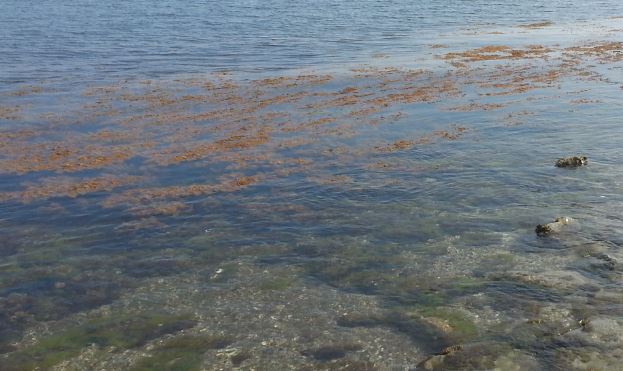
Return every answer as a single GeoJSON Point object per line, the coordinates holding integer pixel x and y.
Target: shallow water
{"type": "Point", "coordinates": [328, 186]}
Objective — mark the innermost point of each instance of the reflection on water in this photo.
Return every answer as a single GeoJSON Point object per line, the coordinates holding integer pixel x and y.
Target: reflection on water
{"type": "Point", "coordinates": [374, 217]}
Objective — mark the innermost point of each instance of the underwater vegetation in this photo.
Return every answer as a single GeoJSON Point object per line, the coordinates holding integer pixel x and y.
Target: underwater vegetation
{"type": "Point", "coordinates": [378, 216]}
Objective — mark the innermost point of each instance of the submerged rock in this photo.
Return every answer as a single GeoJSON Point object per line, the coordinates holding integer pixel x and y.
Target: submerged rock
{"type": "Point", "coordinates": [566, 280]}
{"type": "Point", "coordinates": [554, 227]}
{"type": "Point", "coordinates": [586, 358]}
{"type": "Point", "coordinates": [574, 161]}
{"type": "Point", "coordinates": [436, 361]}
{"type": "Point", "coordinates": [480, 356]}
{"type": "Point", "coordinates": [601, 332]}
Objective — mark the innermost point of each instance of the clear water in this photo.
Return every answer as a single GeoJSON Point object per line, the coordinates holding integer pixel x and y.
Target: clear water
{"type": "Point", "coordinates": [326, 185]}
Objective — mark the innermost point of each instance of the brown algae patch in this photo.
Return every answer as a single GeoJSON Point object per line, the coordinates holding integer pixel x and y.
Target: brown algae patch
{"type": "Point", "coordinates": [68, 187]}
{"type": "Point", "coordinates": [149, 195]}
{"type": "Point", "coordinates": [24, 157]}
{"type": "Point", "coordinates": [477, 107]}
{"type": "Point", "coordinates": [585, 101]}
{"type": "Point", "coordinates": [10, 113]}
{"type": "Point", "coordinates": [498, 52]}
{"type": "Point", "coordinates": [244, 116]}
{"type": "Point", "coordinates": [27, 90]}
{"type": "Point", "coordinates": [257, 125]}
{"type": "Point", "coordinates": [292, 82]}
{"type": "Point", "coordinates": [402, 144]}
{"type": "Point", "coordinates": [454, 133]}
{"type": "Point", "coordinates": [536, 25]}
{"type": "Point", "coordinates": [238, 141]}
{"type": "Point", "coordinates": [606, 52]}
{"type": "Point", "coordinates": [419, 94]}
{"type": "Point", "coordinates": [308, 124]}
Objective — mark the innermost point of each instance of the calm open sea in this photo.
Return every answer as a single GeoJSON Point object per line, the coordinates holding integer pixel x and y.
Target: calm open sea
{"type": "Point", "coordinates": [96, 40]}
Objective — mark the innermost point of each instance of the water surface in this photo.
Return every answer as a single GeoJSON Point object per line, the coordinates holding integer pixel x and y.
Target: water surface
{"type": "Point", "coordinates": [336, 185]}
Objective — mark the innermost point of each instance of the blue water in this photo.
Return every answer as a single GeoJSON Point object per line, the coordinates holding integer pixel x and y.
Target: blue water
{"type": "Point", "coordinates": [96, 40]}
{"type": "Point", "coordinates": [310, 185]}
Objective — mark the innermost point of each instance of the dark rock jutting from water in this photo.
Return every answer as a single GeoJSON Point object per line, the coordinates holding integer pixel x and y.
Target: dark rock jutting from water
{"type": "Point", "coordinates": [556, 226]}
{"type": "Point", "coordinates": [572, 162]}
{"type": "Point", "coordinates": [553, 227]}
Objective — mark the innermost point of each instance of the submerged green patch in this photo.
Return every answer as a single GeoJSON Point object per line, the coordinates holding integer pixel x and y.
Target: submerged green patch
{"type": "Point", "coordinates": [276, 284]}
{"type": "Point", "coordinates": [455, 325]}
{"type": "Point", "coordinates": [123, 332]}
{"type": "Point", "coordinates": [183, 353]}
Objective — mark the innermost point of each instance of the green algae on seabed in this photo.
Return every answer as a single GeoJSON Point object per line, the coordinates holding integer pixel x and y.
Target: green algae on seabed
{"type": "Point", "coordinates": [360, 267]}
{"type": "Point", "coordinates": [127, 331]}
{"type": "Point", "coordinates": [459, 327]}
{"type": "Point", "coordinates": [182, 353]}
{"type": "Point", "coordinates": [276, 284]}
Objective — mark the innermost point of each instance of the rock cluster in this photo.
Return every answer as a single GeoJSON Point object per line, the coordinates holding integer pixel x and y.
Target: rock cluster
{"type": "Point", "coordinates": [558, 224]}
